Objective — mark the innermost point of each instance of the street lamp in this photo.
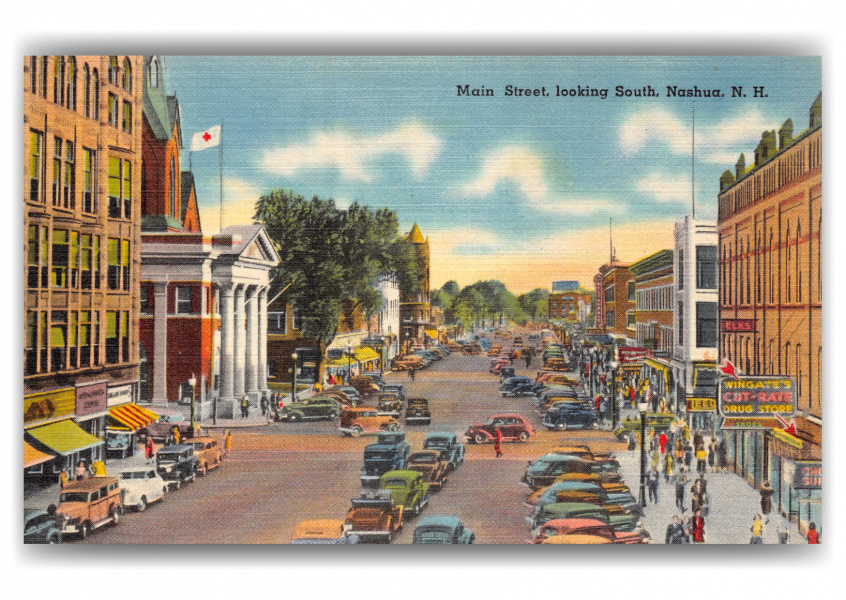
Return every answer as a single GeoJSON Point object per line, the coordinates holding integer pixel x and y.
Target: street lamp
{"type": "Point", "coordinates": [614, 364]}
{"type": "Point", "coordinates": [349, 361]}
{"type": "Point", "coordinates": [294, 383]}
{"type": "Point", "coordinates": [193, 383]}
{"type": "Point", "coordinates": [643, 406]}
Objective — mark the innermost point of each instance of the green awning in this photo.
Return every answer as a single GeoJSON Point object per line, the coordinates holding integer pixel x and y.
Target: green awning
{"type": "Point", "coordinates": [64, 437]}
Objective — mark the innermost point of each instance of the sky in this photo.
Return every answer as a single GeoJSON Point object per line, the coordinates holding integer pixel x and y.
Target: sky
{"type": "Point", "coordinates": [516, 188]}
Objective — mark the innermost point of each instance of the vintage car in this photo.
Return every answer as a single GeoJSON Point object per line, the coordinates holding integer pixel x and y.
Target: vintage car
{"type": "Point", "coordinates": [554, 392]}
{"type": "Point", "coordinates": [547, 494]}
{"type": "Point", "coordinates": [140, 486]}
{"type": "Point", "coordinates": [431, 467]}
{"type": "Point", "coordinates": [374, 517]}
{"type": "Point", "coordinates": [553, 378]}
{"type": "Point", "coordinates": [571, 416]}
{"type": "Point", "coordinates": [447, 443]}
{"type": "Point", "coordinates": [349, 391]}
{"type": "Point", "coordinates": [495, 350]}
{"type": "Point", "coordinates": [516, 386]}
{"type": "Point", "coordinates": [366, 387]}
{"type": "Point", "coordinates": [407, 488]}
{"type": "Point", "coordinates": [577, 538]}
{"type": "Point", "coordinates": [373, 376]}
{"type": "Point", "coordinates": [615, 504]}
{"type": "Point", "coordinates": [406, 363]}
{"type": "Point", "coordinates": [322, 531]}
{"type": "Point", "coordinates": [498, 365]}
{"type": "Point", "coordinates": [316, 407]}
{"type": "Point", "coordinates": [568, 447]}
{"type": "Point", "coordinates": [612, 487]}
{"type": "Point", "coordinates": [395, 388]}
{"type": "Point", "coordinates": [177, 464]}
{"type": "Point", "coordinates": [163, 426]}
{"type": "Point", "coordinates": [442, 529]}
{"type": "Point", "coordinates": [556, 363]}
{"type": "Point", "coordinates": [417, 412]}
{"type": "Point", "coordinates": [208, 453]}
{"type": "Point", "coordinates": [506, 373]}
{"type": "Point", "coordinates": [40, 527]}
{"type": "Point", "coordinates": [513, 427]}
{"type": "Point", "coordinates": [355, 421]}
{"type": "Point", "coordinates": [88, 504]}
{"type": "Point", "coordinates": [389, 453]}
{"type": "Point", "coordinates": [389, 404]}
{"type": "Point", "coordinates": [545, 469]}
{"type": "Point", "coordinates": [343, 400]}
{"type": "Point", "coordinates": [659, 422]}
{"type": "Point", "coordinates": [571, 510]}
{"type": "Point", "coordinates": [558, 527]}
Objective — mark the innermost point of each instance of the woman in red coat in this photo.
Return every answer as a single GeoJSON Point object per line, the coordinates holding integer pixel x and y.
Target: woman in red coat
{"type": "Point", "coordinates": [697, 528]}
{"type": "Point", "coordinates": [498, 445]}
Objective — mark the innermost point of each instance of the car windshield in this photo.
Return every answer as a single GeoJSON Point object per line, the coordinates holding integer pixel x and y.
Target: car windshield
{"type": "Point", "coordinates": [167, 457]}
{"type": "Point", "coordinates": [127, 475]}
{"type": "Point", "coordinates": [435, 530]}
{"type": "Point", "coordinates": [393, 483]}
{"type": "Point", "coordinates": [377, 455]}
{"type": "Point", "coordinates": [170, 418]}
{"type": "Point", "coordinates": [436, 443]}
{"type": "Point", "coordinates": [74, 497]}
{"type": "Point", "coordinates": [424, 458]}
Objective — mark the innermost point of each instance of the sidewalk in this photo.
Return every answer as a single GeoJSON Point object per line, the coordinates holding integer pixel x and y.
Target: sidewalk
{"type": "Point", "coordinates": [733, 504]}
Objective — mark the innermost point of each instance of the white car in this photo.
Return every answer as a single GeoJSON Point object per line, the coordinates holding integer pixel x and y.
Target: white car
{"type": "Point", "coordinates": [140, 486]}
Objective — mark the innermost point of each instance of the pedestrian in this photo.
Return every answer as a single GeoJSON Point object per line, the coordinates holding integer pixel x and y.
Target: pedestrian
{"type": "Point", "coordinates": [662, 441]}
{"type": "Point", "coordinates": [411, 373]}
{"type": "Point", "coordinates": [632, 442]}
{"type": "Point", "coordinates": [655, 459]}
{"type": "Point", "coordinates": [263, 405]}
{"type": "Point", "coordinates": [688, 456]}
{"type": "Point", "coordinates": [767, 500]}
{"type": "Point", "coordinates": [81, 471]}
{"type": "Point", "coordinates": [679, 453]}
{"type": "Point", "coordinates": [668, 467]}
{"type": "Point", "coordinates": [712, 454]}
{"type": "Point", "coordinates": [652, 484]}
{"type": "Point", "coordinates": [680, 482]}
{"type": "Point", "coordinates": [675, 532]}
{"type": "Point", "coordinates": [331, 379]}
{"type": "Point", "coordinates": [722, 455]}
{"type": "Point", "coordinates": [697, 528]}
{"type": "Point", "coordinates": [227, 443]}
{"type": "Point", "coordinates": [603, 409]}
{"type": "Point", "coordinates": [783, 529]}
{"type": "Point", "coordinates": [528, 359]}
{"type": "Point", "coordinates": [177, 435]}
{"type": "Point", "coordinates": [148, 449]}
{"type": "Point", "coordinates": [757, 530]}
{"type": "Point", "coordinates": [63, 479]}
{"type": "Point", "coordinates": [245, 407]}
{"type": "Point", "coordinates": [687, 527]}
{"type": "Point", "coordinates": [706, 503]}
{"type": "Point", "coordinates": [698, 440]}
{"type": "Point", "coordinates": [701, 455]}
{"type": "Point", "coordinates": [498, 444]}
{"type": "Point", "coordinates": [596, 402]}
{"type": "Point", "coordinates": [696, 496]}
{"type": "Point", "coordinates": [813, 535]}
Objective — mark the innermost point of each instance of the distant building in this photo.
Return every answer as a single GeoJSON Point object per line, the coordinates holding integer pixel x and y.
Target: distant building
{"type": "Point", "coordinates": [564, 286]}
{"type": "Point", "coordinates": [618, 300]}
{"type": "Point", "coordinates": [415, 317]}
{"type": "Point", "coordinates": [566, 306]}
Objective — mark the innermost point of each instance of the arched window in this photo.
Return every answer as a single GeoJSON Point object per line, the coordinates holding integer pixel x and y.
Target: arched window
{"type": "Point", "coordinates": [33, 74]}
{"type": "Point", "coordinates": [798, 263]}
{"type": "Point", "coordinates": [86, 92]}
{"type": "Point", "coordinates": [748, 296]}
{"type": "Point", "coordinates": [770, 267]}
{"type": "Point", "coordinates": [126, 80]}
{"type": "Point", "coordinates": [113, 69]}
{"type": "Point", "coordinates": [153, 75]}
{"type": "Point", "coordinates": [172, 198]}
{"type": "Point", "coordinates": [95, 106]}
{"type": "Point", "coordinates": [59, 79]}
{"type": "Point", "coordinates": [758, 265]}
{"type": "Point", "coordinates": [71, 83]}
{"type": "Point", "coordinates": [44, 71]}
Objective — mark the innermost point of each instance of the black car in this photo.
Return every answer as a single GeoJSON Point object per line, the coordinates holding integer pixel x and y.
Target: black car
{"type": "Point", "coordinates": [516, 386]}
{"type": "Point", "coordinates": [417, 412]}
{"type": "Point", "coordinates": [40, 528]}
{"type": "Point", "coordinates": [570, 415]}
{"type": "Point", "coordinates": [177, 464]}
{"type": "Point", "coordinates": [395, 388]}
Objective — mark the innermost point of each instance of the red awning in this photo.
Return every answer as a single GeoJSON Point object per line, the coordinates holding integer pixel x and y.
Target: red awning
{"type": "Point", "coordinates": [132, 416]}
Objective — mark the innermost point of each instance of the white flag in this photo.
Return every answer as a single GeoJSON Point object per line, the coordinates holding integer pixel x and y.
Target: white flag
{"type": "Point", "coordinates": [206, 139]}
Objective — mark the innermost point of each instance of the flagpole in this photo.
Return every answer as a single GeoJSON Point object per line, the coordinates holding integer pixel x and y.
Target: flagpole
{"type": "Point", "coordinates": [221, 175]}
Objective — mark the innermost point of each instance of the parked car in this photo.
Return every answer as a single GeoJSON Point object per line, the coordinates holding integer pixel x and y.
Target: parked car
{"type": "Point", "coordinates": [451, 449]}
{"type": "Point", "coordinates": [442, 529]}
{"type": "Point", "coordinates": [343, 400]}
{"type": "Point", "coordinates": [506, 372]}
{"type": "Point", "coordinates": [374, 518]}
{"type": "Point", "coordinates": [389, 453]}
{"type": "Point", "coordinates": [516, 386]}
{"type": "Point", "coordinates": [395, 388]}
{"type": "Point", "coordinates": [390, 404]}
{"type": "Point", "coordinates": [374, 376]}
{"type": "Point", "coordinates": [40, 527]}
{"type": "Point", "coordinates": [177, 464]}
{"type": "Point", "coordinates": [417, 412]}
{"type": "Point", "coordinates": [586, 527]}
{"type": "Point", "coordinates": [355, 421]}
{"type": "Point", "coordinates": [307, 409]}
{"type": "Point", "coordinates": [407, 488]}
{"type": "Point", "coordinates": [208, 453]}
{"type": "Point", "coordinates": [499, 364]}
{"type": "Point", "coordinates": [406, 363]}
{"type": "Point", "coordinates": [570, 416]}
{"type": "Point", "coordinates": [140, 486]}
{"type": "Point", "coordinates": [570, 510]}
{"type": "Point", "coordinates": [89, 504]}
{"type": "Point", "coordinates": [350, 392]}
{"type": "Point", "coordinates": [432, 468]}
{"type": "Point", "coordinates": [161, 428]}
{"type": "Point", "coordinates": [545, 469]}
{"type": "Point", "coordinates": [365, 387]}
{"type": "Point", "coordinates": [513, 427]}
{"type": "Point", "coordinates": [577, 538]}
{"type": "Point", "coordinates": [322, 531]}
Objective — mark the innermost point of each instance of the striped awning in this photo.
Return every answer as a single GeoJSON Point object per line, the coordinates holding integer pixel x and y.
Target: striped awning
{"type": "Point", "coordinates": [131, 416]}
{"type": "Point", "coordinates": [33, 456]}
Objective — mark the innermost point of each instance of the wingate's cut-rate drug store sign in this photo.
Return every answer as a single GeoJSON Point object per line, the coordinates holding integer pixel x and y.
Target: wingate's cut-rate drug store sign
{"type": "Point", "coordinates": [757, 396]}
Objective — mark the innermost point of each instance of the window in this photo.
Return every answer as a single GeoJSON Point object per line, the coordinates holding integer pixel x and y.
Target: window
{"type": "Point", "coordinates": [127, 189]}
{"type": "Point", "coordinates": [126, 123]}
{"type": "Point", "coordinates": [126, 77]}
{"type": "Point", "coordinates": [86, 91]}
{"type": "Point", "coordinates": [610, 319]}
{"type": "Point", "coordinates": [630, 319]}
{"type": "Point", "coordinates": [68, 189]}
{"type": "Point", "coordinates": [113, 69]}
{"type": "Point", "coordinates": [31, 343]}
{"type": "Point", "coordinates": [71, 96]}
{"type": "Point", "coordinates": [183, 300]}
{"type": "Point", "coordinates": [84, 338]}
{"type": "Point", "coordinates": [276, 322]}
{"type": "Point", "coordinates": [95, 107]}
{"type": "Point", "coordinates": [114, 187]}
{"type": "Point", "coordinates": [631, 291]}
{"type": "Point", "coordinates": [112, 340]}
{"type": "Point", "coordinates": [73, 263]}
{"type": "Point", "coordinates": [681, 324]}
{"type": "Point", "coordinates": [798, 265]}
{"type": "Point", "coordinates": [113, 110]}
{"type": "Point", "coordinates": [609, 293]}
{"type": "Point", "coordinates": [73, 352]}
{"type": "Point", "coordinates": [114, 264]}
{"type": "Point", "coordinates": [95, 337]}
{"type": "Point", "coordinates": [59, 79]}
{"type": "Point", "coordinates": [34, 166]}
{"type": "Point", "coordinates": [153, 75]}
{"type": "Point", "coordinates": [33, 74]}
{"type": "Point", "coordinates": [124, 335]}
{"type": "Point", "coordinates": [298, 320]}
{"type": "Point", "coordinates": [144, 297]}
{"type": "Point", "coordinates": [706, 267]}
{"type": "Point", "coordinates": [58, 339]}
{"type": "Point", "coordinates": [172, 193]}
{"type": "Point", "coordinates": [124, 263]}
{"type": "Point", "coordinates": [61, 255]}
{"type": "Point", "coordinates": [706, 324]}
{"type": "Point", "coordinates": [88, 189]}
{"type": "Point", "coordinates": [57, 172]}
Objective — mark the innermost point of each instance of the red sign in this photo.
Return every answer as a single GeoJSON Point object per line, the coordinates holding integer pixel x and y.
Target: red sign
{"type": "Point", "coordinates": [758, 396]}
{"type": "Point", "coordinates": [630, 354]}
{"type": "Point", "coordinates": [91, 399]}
{"type": "Point", "coordinates": [738, 325]}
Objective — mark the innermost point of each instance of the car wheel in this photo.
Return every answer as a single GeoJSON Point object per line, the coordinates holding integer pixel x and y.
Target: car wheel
{"type": "Point", "coordinates": [393, 427]}
{"type": "Point", "coordinates": [116, 515]}
{"type": "Point", "coordinates": [53, 539]}
{"type": "Point", "coordinates": [524, 435]}
{"type": "Point", "coordinates": [479, 438]}
{"type": "Point", "coordinates": [164, 490]}
{"type": "Point", "coordinates": [84, 530]}
{"type": "Point", "coordinates": [179, 482]}
{"type": "Point", "coordinates": [355, 431]}
{"type": "Point", "coordinates": [142, 504]}
{"type": "Point", "coordinates": [595, 425]}
{"type": "Point", "coordinates": [561, 425]}
{"type": "Point", "coordinates": [293, 417]}
{"type": "Point", "coordinates": [204, 470]}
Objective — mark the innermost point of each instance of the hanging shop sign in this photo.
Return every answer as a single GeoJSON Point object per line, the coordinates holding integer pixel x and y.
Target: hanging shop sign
{"type": "Point", "coordinates": [757, 396]}
{"type": "Point", "coordinates": [91, 399]}
{"type": "Point", "coordinates": [631, 355]}
{"type": "Point", "coordinates": [807, 475]}
{"type": "Point", "coordinates": [738, 325]}
{"type": "Point", "coordinates": [749, 423]}
{"type": "Point", "coordinates": [701, 404]}
{"type": "Point", "coordinates": [119, 394]}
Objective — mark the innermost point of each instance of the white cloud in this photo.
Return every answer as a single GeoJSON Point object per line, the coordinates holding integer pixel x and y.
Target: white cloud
{"type": "Point", "coordinates": [239, 205]}
{"type": "Point", "coordinates": [655, 124]}
{"type": "Point", "coordinates": [525, 168]}
{"type": "Point", "coordinates": [665, 189]}
{"type": "Point", "coordinates": [349, 153]}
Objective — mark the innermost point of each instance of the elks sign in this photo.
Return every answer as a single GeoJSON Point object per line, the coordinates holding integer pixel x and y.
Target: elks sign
{"type": "Point", "coordinates": [738, 325]}
{"type": "Point", "coordinates": [757, 396]}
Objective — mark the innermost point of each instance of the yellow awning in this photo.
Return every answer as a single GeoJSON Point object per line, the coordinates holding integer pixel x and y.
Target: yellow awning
{"type": "Point", "coordinates": [432, 333]}
{"type": "Point", "coordinates": [64, 437]}
{"type": "Point", "coordinates": [337, 362]}
{"type": "Point", "coordinates": [364, 354]}
{"type": "Point", "coordinates": [34, 457]}
{"type": "Point", "coordinates": [132, 416]}
{"type": "Point", "coordinates": [651, 362]}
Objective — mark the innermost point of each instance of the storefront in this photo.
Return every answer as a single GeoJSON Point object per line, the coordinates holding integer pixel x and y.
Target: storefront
{"type": "Point", "coordinates": [795, 472]}
{"type": "Point", "coordinates": [68, 441]}
{"type": "Point", "coordinates": [657, 373]}
{"type": "Point", "coordinates": [91, 413]}
{"type": "Point", "coordinates": [42, 409]}
{"type": "Point", "coordinates": [36, 465]}
{"type": "Point", "coordinates": [124, 422]}
{"type": "Point", "coordinates": [367, 358]}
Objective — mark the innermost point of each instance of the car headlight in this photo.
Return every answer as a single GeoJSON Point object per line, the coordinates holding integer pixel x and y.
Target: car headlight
{"type": "Point", "coordinates": [639, 524]}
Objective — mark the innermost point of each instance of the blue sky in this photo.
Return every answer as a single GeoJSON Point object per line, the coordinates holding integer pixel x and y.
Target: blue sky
{"type": "Point", "coordinates": [519, 189]}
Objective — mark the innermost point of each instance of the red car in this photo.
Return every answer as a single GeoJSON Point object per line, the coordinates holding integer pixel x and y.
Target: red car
{"type": "Point", "coordinates": [584, 526]}
{"type": "Point", "coordinates": [498, 365]}
{"type": "Point", "coordinates": [514, 428]}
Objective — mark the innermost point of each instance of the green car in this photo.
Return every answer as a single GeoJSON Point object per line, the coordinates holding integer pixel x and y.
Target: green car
{"type": "Point", "coordinates": [316, 407]}
{"type": "Point", "coordinates": [442, 529]}
{"type": "Point", "coordinates": [407, 489]}
{"type": "Point", "coordinates": [583, 510]}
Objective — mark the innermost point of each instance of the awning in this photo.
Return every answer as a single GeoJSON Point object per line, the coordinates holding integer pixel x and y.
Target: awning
{"type": "Point", "coordinates": [131, 416]}
{"type": "Point", "coordinates": [337, 362]}
{"type": "Point", "coordinates": [365, 354]}
{"type": "Point", "coordinates": [64, 437]}
{"type": "Point", "coordinates": [34, 457]}
{"type": "Point", "coordinates": [665, 369]}
{"type": "Point", "coordinates": [432, 333]}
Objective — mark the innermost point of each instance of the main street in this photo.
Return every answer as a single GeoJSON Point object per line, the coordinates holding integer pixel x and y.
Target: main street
{"type": "Point", "coordinates": [279, 475]}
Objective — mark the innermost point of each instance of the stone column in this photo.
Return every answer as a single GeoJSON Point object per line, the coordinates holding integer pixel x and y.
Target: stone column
{"type": "Point", "coordinates": [261, 340]}
{"type": "Point", "coordinates": [227, 350]}
{"type": "Point", "coordinates": [160, 343]}
{"type": "Point", "coordinates": [251, 366]}
{"type": "Point", "coordinates": [240, 346]}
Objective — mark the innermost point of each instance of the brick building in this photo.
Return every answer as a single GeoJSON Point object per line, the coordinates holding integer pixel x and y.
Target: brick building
{"type": "Point", "coordinates": [414, 308]}
{"type": "Point", "coordinates": [618, 300]}
{"type": "Point", "coordinates": [568, 306]}
{"type": "Point", "coordinates": [770, 256]}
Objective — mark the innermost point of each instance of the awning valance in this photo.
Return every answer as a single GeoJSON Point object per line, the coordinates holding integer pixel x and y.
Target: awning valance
{"type": "Point", "coordinates": [132, 416]}
{"type": "Point", "coordinates": [337, 362]}
{"type": "Point", "coordinates": [64, 437]}
{"type": "Point", "coordinates": [33, 457]}
{"type": "Point", "coordinates": [364, 354]}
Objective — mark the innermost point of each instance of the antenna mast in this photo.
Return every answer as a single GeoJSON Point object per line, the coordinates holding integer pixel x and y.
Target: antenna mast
{"type": "Point", "coordinates": [692, 163]}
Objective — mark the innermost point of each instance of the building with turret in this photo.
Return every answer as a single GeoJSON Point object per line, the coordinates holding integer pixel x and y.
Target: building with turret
{"type": "Point", "coordinates": [415, 317]}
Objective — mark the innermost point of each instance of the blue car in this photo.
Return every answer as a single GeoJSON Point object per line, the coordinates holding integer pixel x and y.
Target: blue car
{"type": "Point", "coordinates": [40, 528]}
{"type": "Point", "coordinates": [516, 386]}
{"type": "Point", "coordinates": [442, 529]}
{"type": "Point", "coordinates": [571, 416]}
{"type": "Point", "coordinates": [451, 449]}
